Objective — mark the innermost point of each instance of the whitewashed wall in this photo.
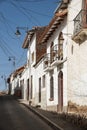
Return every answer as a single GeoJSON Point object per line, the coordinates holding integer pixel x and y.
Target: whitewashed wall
{"type": "Point", "coordinates": [39, 74]}
{"type": "Point", "coordinates": [12, 85]}
{"type": "Point", "coordinates": [32, 49]}
{"type": "Point", "coordinates": [25, 76]}
{"type": "Point", "coordinates": [54, 38]}
{"type": "Point", "coordinates": [77, 62]}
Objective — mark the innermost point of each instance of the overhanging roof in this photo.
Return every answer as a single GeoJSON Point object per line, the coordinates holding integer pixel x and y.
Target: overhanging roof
{"type": "Point", "coordinates": [28, 37]}
{"type": "Point", "coordinates": [55, 22]}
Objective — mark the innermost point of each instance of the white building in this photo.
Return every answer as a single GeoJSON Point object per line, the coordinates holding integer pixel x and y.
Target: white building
{"type": "Point", "coordinates": [77, 51]}
{"type": "Point", "coordinates": [55, 60]}
{"type": "Point", "coordinates": [34, 54]}
{"type": "Point", "coordinates": [65, 60]}
{"type": "Point", "coordinates": [56, 73]}
{"type": "Point", "coordinates": [14, 87]}
{"type": "Point", "coordinates": [24, 84]}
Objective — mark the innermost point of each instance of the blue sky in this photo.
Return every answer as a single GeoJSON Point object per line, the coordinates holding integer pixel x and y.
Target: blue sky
{"type": "Point", "coordinates": [19, 13]}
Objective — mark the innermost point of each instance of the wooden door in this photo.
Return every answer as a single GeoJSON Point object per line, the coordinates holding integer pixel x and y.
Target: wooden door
{"type": "Point", "coordinates": [60, 91]}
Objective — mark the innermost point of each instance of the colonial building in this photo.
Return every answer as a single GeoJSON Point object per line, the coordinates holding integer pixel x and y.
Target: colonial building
{"type": "Point", "coordinates": [55, 77]}
{"type": "Point", "coordinates": [55, 60]}
{"type": "Point", "coordinates": [77, 51]}
{"type": "Point", "coordinates": [34, 54]}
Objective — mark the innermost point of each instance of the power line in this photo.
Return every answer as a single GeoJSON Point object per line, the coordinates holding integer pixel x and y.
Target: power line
{"type": "Point", "coordinates": [23, 12]}
{"type": "Point", "coordinates": [21, 57]}
{"type": "Point", "coordinates": [38, 13]}
{"type": "Point", "coordinates": [5, 49]}
{"type": "Point", "coordinates": [7, 25]}
{"type": "Point", "coordinates": [30, 0]}
{"type": "Point", "coordinates": [5, 45]}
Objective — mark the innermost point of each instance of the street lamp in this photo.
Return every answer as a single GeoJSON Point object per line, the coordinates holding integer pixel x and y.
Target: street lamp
{"type": "Point", "coordinates": [18, 33]}
{"type": "Point", "coordinates": [12, 58]}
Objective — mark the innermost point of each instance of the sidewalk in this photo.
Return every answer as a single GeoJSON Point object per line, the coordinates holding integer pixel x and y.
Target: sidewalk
{"type": "Point", "coordinates": [55, 120]}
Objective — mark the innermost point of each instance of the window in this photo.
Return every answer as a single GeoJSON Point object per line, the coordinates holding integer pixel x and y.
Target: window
{"type": "Point", "coordinates": [39, 89]}
{"type": "Point", "coordinates": [31, 87]}
{"type": "Point", "coordinates": [51, 88]}
{"type": "Point", "coordinates": [27, 89]}
{"type": "Point", "coordinates": [33, 57]}
{"type": "Point", "coordinates": [44, 81]}
{"type": "Point", "coordinates": [51, 52]}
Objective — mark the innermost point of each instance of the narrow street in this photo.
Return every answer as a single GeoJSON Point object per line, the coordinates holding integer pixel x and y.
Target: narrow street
{"type": "Point", "coordinates": [14, 116]}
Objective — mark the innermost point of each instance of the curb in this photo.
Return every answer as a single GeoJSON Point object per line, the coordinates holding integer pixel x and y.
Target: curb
{"type": "Point", "coordinates": [49, 122]}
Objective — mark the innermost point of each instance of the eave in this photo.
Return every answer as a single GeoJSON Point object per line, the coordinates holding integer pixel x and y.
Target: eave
{"type": "Point", "coordinates": [18, 71]}
{"type": "Point", "coordinates": [55, 22]}
{"type": "Point", "coordinates": [27, 39]}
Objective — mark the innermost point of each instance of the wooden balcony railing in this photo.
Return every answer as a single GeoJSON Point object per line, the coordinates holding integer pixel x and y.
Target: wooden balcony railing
{"type": "Point", "coordinates": [53, 58]}
{"type": "Point", "coordinates": [46, 62]}
{"type": "Point", "coordinates": [56, 54]}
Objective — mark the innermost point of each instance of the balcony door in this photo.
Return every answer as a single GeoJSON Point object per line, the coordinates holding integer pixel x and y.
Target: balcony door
{"type": "Point", "coordinates": [60, 46]}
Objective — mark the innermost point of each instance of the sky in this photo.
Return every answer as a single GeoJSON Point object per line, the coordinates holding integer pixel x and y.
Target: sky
{"type": "Point", "coordinates": [23, 14]}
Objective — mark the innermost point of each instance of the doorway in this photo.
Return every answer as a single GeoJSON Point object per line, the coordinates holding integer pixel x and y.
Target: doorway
{"type": "Point", "coordinates": [60, 91]}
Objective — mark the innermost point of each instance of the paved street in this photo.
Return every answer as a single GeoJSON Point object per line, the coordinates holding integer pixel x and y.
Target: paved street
{"type": "Point", "coordinates": [57, 121]}
{"type": "Point", "coordinates": [15, 116]}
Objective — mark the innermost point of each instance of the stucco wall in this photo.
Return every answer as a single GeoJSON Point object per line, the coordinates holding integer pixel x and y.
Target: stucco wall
{"type": "Point", "coordinates": [39, 74]}
{"type": "Point", "coordinates": [52, 105]}
{"type": "Point", "coordinates": [77, 61]}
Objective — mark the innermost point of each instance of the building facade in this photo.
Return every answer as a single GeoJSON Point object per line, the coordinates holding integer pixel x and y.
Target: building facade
{"type": "Point", "coordinates": [56, 73]}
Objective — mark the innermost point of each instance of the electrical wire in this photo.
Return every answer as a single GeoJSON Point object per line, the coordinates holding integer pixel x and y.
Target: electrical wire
{"type": "Point", "coordinates": [21, 58]}
{"type": "Point", "coordinates": [35, 12]}
{"type": "Point", "coordinates": [24, 13]}
{"type": "Point", "coordinates": [7, 25]}
{"type": "Point", "coordinates": [5, 49]}
{"type": "Point", "coordinates": [30, 0]}
{"type": "Point", "coordinates": [5, 44]}
{"type": "Point", "coordinates": [33, 18]}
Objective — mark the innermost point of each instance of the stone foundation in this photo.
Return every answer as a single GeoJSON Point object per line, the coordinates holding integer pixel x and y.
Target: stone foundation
{"type": "Point", "coordinates": [77, 119]}
{"type": "Point", "coordinates": [74, 108]}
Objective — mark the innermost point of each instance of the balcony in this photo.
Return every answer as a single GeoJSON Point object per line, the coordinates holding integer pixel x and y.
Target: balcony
{"type": "Point", "coordinates": [56, 56]}
{"type": "Point", "coordinates": [47, 63]}
{"type": "Point", "coordinates": [80, 27]}
{"type": "Point", "coordinates": [53, 59]}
